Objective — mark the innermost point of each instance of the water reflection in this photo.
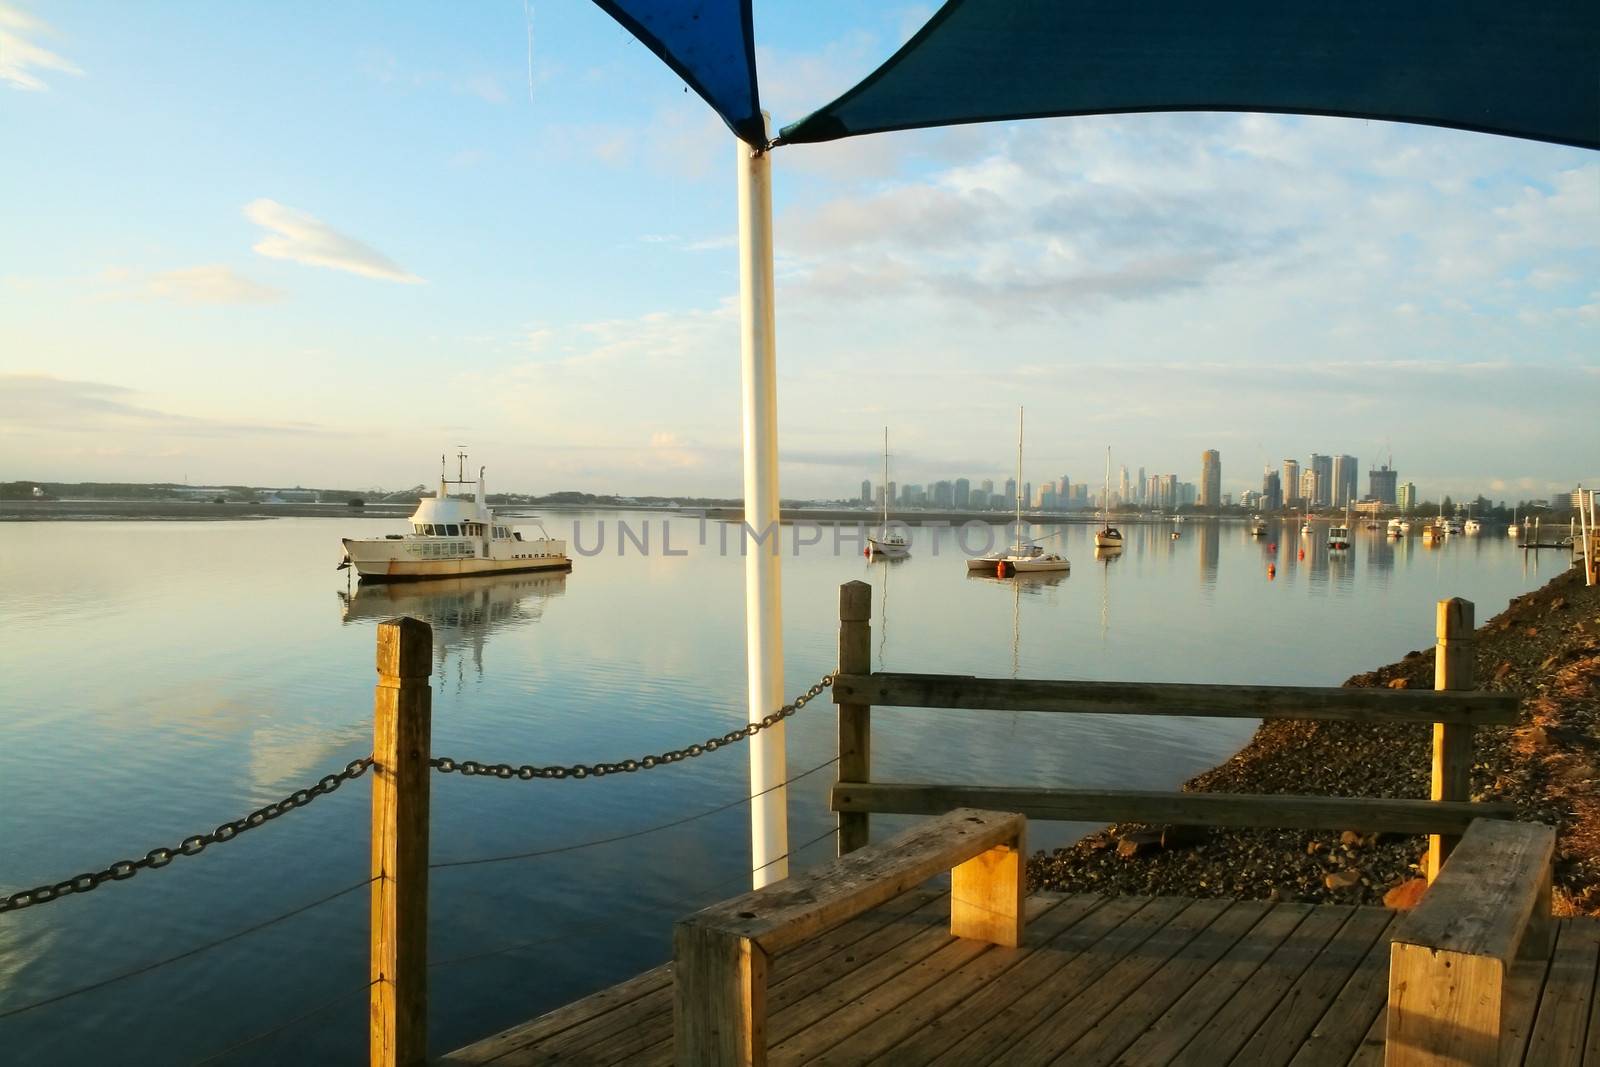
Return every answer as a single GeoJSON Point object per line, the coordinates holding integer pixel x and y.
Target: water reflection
{"type": "Point", "coordinates": [462, 611]}
{"type": "Point", "coordinates": [1210, 548]}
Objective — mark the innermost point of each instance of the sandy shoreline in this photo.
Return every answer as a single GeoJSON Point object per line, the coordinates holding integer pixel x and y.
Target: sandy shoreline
{"type": "Point", "coordinates": [1545, 647]}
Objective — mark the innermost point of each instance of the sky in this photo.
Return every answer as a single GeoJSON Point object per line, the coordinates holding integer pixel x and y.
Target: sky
{"type": "Point", "coordinates": [310, 244]}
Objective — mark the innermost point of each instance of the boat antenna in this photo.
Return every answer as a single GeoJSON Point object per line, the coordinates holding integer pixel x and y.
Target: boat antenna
{"type": "Point", "coordinates": [461, 463]}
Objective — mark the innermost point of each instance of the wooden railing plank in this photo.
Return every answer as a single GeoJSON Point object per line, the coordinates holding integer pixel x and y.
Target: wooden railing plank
{"type": "Point", "coordinates": [887, 689]}
{"type": "Point", "coordinates": [1192, 809]}
{"type": "Point", "coordinates": [786, 913]}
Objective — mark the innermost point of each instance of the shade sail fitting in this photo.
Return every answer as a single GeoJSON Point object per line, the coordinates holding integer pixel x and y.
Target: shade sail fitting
{"type": "Point", "coordinates": [710, 44]}
{"type": "Point", "coordinates": [1523, 69]}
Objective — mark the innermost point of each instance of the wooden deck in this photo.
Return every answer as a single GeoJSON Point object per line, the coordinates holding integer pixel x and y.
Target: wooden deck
{"type": "Point", "coordinates": [1098, 981]}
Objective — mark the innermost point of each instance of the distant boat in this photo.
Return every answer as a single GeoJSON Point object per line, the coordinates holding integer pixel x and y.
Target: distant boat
{"type": "Point", "coordinates": [453, 537]}
{"type": "Point", "coordinates": [1513, 530]}
{"type": "Point", "coordinates": [1396, 529]}
{"type": "Point", "coordinates": [1339, 536]}
{"type": "Point", "coordinates": [1258, 526]}
{"type": "Point", "coordinates": [1108, 536]}
{"type": "Point", "coordinates": [888, 544]}
{"type": "Point", "coordinates": [1473, 526]}
{"type": "Point", "coordinates": [1024, 557]}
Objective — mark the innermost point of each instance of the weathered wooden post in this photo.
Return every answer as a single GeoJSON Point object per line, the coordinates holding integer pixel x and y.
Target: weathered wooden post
{"type": "Point", "coordinates": [855, 720]}
{"type": "Point", "coordinates": [402, 726]}
{"type": "Point", "coordinates": [1452, 742]}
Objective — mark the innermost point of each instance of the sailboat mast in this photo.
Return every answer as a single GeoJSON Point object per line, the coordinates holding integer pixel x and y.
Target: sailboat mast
{"type": "Point", "coordinates": [886, 478]}
{"type": "Point", "coordinates": [1019, 475]}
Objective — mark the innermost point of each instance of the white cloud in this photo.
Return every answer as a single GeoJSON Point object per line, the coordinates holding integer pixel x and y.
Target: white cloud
{"type": "Point", "coordinates": [211, 284]}
{"type": "Point", "coordinates": [302, 238]}
{"type": "Point", "coordinates": [20, 56]}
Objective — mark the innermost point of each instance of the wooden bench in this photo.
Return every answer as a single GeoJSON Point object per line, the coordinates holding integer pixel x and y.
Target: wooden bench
{"type": "Point", "coordinates": [720, 955]}
{"type": "Point", "coordinates": [1450, 960]}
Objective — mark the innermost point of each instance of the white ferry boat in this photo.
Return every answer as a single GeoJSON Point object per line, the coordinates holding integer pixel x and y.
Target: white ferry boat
{"type": "Point", "coordinates": [453, 537]}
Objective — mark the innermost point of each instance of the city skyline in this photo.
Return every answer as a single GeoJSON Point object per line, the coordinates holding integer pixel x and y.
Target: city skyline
{"type": "Point", "coordinates": [364, 241]}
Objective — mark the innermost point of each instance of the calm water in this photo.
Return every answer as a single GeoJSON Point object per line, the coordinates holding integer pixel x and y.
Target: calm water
{"type": "Point", "coordinates": [163, 677]}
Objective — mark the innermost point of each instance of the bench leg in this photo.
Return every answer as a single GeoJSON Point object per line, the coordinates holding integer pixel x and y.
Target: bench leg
{"type": "Point", "coordinates": [1444, 1008]}
{"type": "Point", "coordinates": [719, 999]}
{"type": "Point", "coordinates": [986, 895]}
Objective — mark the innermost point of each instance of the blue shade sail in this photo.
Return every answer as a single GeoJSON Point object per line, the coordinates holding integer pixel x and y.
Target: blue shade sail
{"type": "Point", "coordinates": [710, 44]}
{"type": "Point", "coordinates": [1525, 69]}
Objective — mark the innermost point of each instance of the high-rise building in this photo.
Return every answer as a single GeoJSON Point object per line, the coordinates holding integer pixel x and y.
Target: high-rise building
{"type": "Point", "coordinates": [944, 495]}
{"type": "Point", "coordinates": [1381, 485]}
{"type": "Point", "coordinates": [1291, 481]}
{"type": "Point", "coordinates": [1169, 491]}
{"type": "Point", "coordinates": [893, 499]}
{"type": "Point", "coordinates": [1343, 486]}
{"type": "Point", "coordinates": [1322, 467]}
{"type": "Point", "coordinates": [1123, 493]}
{"type": "Point", "coordinates": [1141, 488]}
{"type": "Point", "coordinates": [1011, 492]}
{"type": "Point", "coordinates": [986, 487]}
{"type": "Point", "coordinates": [1210, 478]}
{"type": "Point", "coordinates": [963, 493]}
{"type": "Point", "coordinates": [866, 490]}
{"type": "Point", "coordinates": [1027, 491]}
{"type": "Point", "coordinates": [1271, 490]}
{"type": "Point", "coordinates": [1308, 487]}
{"type": "Point", "coordinates": [1405, 497]}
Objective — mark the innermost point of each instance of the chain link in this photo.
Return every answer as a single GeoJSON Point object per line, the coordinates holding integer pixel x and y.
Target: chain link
{"type": "Point", "coordinates": [527, 772]}
{"type": "Point", "coordinates": [158, 858]}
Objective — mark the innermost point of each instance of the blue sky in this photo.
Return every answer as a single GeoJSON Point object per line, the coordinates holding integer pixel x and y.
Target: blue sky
{"type": "Point", "coordinates": [313, 244]}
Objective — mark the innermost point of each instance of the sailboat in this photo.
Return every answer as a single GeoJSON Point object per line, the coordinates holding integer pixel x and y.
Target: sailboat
{"type": "Point", "coordinates": [888, 544]}
{"type": "Point", "coordinates": [1514, 529]}
{"type": "Point", "coordinates": [1022, 557]}
{"type": "Point", "coordinates": [1108, 536]}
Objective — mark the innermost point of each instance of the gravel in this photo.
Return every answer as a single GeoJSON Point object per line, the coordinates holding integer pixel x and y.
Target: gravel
{"type": "Point", "coordinates": [1545, 647]}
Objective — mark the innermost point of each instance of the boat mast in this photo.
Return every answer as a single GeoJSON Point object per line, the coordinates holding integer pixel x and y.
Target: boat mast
{"type": "Point", "coordinates": [883, 530]}
{"type": "Point", "coordinates": [1019, 477]}
{"type": "Point", "coordinates": [1105, 501]}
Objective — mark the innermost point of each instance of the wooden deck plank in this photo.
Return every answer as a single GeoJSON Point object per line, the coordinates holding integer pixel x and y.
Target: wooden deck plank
{"type": "Point", "coordinates": [1173, 1029]}
{"type": "Point", "coordinates": [493, 1049]}
{"type": "Point", "coordinates": [1227, 1030]}
{"type": "Point", "coordinates": [1591, 1052]}
{"type": "Point", "coordinates": [905, 964]}
{"type": "Point", "coordinates": [952, 991]}
{"type": "Point", "coordinates": [1070, 1019]}
{"type": "Point", "coordinates": [1521, 1006]}
{"type": "Point", "coordinates": [1070, 962]}
{"type": "Point", "coordinates": [1560, 1028]}
{"type": "Point", "coordinates": [1370, 1052]}
{"type": "Point", "coordinates": [1292, 1021]}
{"type": "Point", "coordinates": [799, 973]}
{"type": "Point", "coordinates": [1344, 1026]}
{"type": "Point", "coordinates": [1105, 1040]}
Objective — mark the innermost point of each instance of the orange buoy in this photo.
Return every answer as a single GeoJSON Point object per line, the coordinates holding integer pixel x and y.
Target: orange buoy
{"type": "Point", "coordinates": [1272, 570]}
{"type": "Point", "coordinates": [1273, 547]}
{"type": "Point", "coordinates": [1302, 553]}
{"type": "Point", "coordinates": [1002, 569]}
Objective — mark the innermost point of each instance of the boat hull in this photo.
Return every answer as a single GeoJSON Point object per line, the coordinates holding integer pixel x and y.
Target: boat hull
{"type": "Point", "coordinates": [1102, 541]}
{"type": "Point", "coordinates": [886, 550]}
{"type": "Point", "coordinates": [420, 570]}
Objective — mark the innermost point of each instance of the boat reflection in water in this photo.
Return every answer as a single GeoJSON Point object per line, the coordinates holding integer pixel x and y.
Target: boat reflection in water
{"type": "Point", "coordinates": [462, 611]}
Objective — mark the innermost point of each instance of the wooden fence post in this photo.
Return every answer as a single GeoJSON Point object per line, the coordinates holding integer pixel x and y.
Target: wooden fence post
{"type": "Point", "coordinates": [1453, 664]}
{"type": "Point", "coordinates": [402, 725]}
{"type": "Point", "coordinates": [855, 720]}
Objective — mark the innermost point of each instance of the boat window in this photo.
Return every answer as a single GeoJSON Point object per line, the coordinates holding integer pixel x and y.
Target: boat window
{"type": "Point", "coordinates": [453, 530]}
{"type": "Point", "coordinates": [428, 529]}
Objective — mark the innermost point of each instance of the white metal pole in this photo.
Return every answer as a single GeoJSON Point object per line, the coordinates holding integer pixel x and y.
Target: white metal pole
{"type": "Point", "coordinates": [763, 587]}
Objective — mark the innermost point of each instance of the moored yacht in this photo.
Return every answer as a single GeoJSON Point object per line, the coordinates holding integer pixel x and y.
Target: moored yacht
{"type": "Point", "coordinates": [453, 537]}
{"type": "Point", "coordinates": [1258, 526]}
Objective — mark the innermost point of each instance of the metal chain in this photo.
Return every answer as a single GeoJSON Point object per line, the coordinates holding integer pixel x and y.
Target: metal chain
{"type": "Point", "coordinates": [526, 772]}
{"type": "Point", "coordinates": [158, 858]}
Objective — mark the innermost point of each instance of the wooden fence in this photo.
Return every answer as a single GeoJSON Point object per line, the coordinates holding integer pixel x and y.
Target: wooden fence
{"type": "Point", "coordinates": [1452, 707]}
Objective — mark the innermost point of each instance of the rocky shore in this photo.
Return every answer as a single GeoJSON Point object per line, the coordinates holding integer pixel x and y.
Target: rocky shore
{"type": "Point", "coordinates": [1545, 647]}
